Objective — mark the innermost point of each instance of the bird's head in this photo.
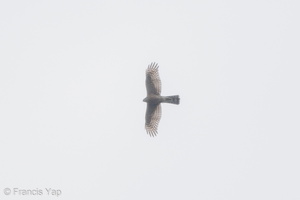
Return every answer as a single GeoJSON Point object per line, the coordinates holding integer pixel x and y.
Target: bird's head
{"type": "Point", "coordinates": [145, 99]}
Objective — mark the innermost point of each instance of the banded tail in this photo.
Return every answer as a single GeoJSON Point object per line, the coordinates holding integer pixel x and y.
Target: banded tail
{"type": "Point", "coordinates": [172, 99]}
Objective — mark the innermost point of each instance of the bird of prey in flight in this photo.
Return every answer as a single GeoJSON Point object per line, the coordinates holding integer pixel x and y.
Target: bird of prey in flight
{"type": "Point", "coordinates": [153, 99]}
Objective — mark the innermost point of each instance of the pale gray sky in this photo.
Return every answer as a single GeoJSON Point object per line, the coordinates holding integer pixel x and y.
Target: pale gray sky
{"type": "Point", "coordinates": [72, 80]}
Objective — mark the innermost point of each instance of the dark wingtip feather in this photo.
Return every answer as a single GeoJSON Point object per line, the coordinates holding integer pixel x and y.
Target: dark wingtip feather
{"type": "Point", "coordinates": [153, 65]}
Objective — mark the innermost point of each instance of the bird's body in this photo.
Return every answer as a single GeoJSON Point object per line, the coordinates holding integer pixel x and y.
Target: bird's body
{"type": "Point", "coordinates": [154, 99]}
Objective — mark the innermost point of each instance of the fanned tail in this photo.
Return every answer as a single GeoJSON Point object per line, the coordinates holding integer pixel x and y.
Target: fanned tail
{"type": "Point", "coordinates": [172, 99]}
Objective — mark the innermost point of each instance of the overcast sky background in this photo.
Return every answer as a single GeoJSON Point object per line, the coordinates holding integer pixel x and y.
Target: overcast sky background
{"type": "Point", "coordinates": [72, 81]}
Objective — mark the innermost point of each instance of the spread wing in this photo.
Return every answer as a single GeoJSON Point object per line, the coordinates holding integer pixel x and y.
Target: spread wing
{"type": "Point", "coordinates": [153, 115]}
{"type": "Point", "coordinates": [153, 83]}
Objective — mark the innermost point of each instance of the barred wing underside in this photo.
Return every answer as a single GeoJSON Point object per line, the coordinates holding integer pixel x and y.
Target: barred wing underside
{"type": "Point", "coordinates": [153, 83]}
{"type": "Point", "coordinates": [153, 115]}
